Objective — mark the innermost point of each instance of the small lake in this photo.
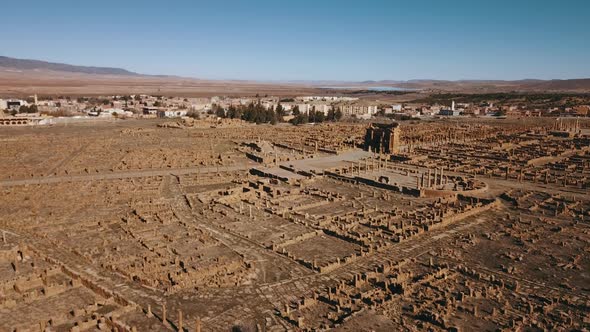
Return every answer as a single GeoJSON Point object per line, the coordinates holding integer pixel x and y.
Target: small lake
{"type": "Point", "coordinates": [370, 88]}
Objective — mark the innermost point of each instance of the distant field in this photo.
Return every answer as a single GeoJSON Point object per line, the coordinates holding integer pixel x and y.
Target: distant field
{"type": "Point", "coordinates": [15, 83]}
{"type": "Point", "coordinates": [44, 82]}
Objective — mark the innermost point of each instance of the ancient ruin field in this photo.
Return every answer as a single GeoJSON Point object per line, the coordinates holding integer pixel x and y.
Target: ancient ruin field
{"type": "Point", "coordinates": [131, 226]}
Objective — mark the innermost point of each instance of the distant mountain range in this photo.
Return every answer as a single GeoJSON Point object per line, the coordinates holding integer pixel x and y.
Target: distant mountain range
{"type": "Point", "coordinates": [18, 75]}
{"type": "Point", "coordinates": [468, 86]}
{"type": "Point", "coordinates": [24, 64]}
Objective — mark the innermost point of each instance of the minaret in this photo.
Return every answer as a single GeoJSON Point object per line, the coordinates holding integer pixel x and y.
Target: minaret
{"type": "Point", "coordinates": [35, 99]}
{"type": "Point", "coordinates": [453, 106]}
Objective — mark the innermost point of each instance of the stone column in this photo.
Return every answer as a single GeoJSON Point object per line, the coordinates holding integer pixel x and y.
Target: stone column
{"type": "Point", "coordinates": [198, 325]}
{"type": "Point", "coordinates": [436, 176]}
{"type": "Point", "coordinates": [180, 328]}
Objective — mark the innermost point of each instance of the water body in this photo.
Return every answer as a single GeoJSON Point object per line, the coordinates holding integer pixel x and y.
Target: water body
{"type": "Point", "coordinates": [370, 88]}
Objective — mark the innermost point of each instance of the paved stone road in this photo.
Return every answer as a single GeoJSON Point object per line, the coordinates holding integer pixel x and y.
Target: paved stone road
{"type": "Point", "coordinates": [121, 175]}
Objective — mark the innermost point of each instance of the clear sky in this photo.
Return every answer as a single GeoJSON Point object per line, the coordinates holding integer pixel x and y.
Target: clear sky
{"type": "Point", "coordinates": [308, 39]}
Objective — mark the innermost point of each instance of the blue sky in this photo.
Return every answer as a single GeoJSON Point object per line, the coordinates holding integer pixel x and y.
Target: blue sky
{"type": "Point", "coordinates": [308, 40]}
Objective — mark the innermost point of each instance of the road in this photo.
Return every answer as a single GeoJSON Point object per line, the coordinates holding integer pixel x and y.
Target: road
{"type": "Point", "coordinates": [121, 175]}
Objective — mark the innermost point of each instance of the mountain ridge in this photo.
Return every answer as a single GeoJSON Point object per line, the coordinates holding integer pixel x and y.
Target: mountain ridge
{"type": "Point", "coordinates": [24, 74]}
{"type": "Point", "coordinates": [30, 64]}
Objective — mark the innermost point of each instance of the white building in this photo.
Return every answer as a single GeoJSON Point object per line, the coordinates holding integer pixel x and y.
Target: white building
{"type": "Point", "coordinates": [451, 112]}
{"type": "Point", "coordinates": [172, 113]}
{"type": "Point", "coordinates": [111, 112]}
{"type": "Point", "coordinates": [14, 104]}
{"type": "Point", "coordinates": [304, 108]}
{"type": "Point", "coordinates": [200, 106]}
{"type": "Point", "coordinates": [358, 109]}
{"type": "Point", "coordinates": [324, 108]}
{"type": "Point", "coordinates": [326, 98]}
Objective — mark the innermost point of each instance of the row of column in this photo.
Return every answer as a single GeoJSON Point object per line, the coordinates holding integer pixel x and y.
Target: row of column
{"type": "Point", "coordinates": [368, 167]}
{"type": "Point", "coordinates": [179, 326]}
{"type": "Point", "coordinates": [427, 181]}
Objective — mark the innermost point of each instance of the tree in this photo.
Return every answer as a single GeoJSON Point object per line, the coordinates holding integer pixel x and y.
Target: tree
{"type": "Point", "coordinates": [28, 109]}
{"type": "Point", "coordinates": [338, 115]}
{"type": "Point", "coordinates": [300, 119]}
{"type": "Point", "coordinates": [316, 116]}
{"type": "Point", "coordinates": [296, 110]}
{"type": "Point", "coordinates": [331, 115]}
{"type": "Point", "coordinates": [219, 111]}
{"type": "Point", "coordinates": [233, 112]}
{"type": "Point", "coordinates": [311, 116]}
{"type": "Point", "coordinates": [320, 117]}
{"type": "Point", "coordinates": [253, 113]}
{"type": "Point", "coordinates": [193, 114]}
{"type": "Point", "coordinates": [280, 111]}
